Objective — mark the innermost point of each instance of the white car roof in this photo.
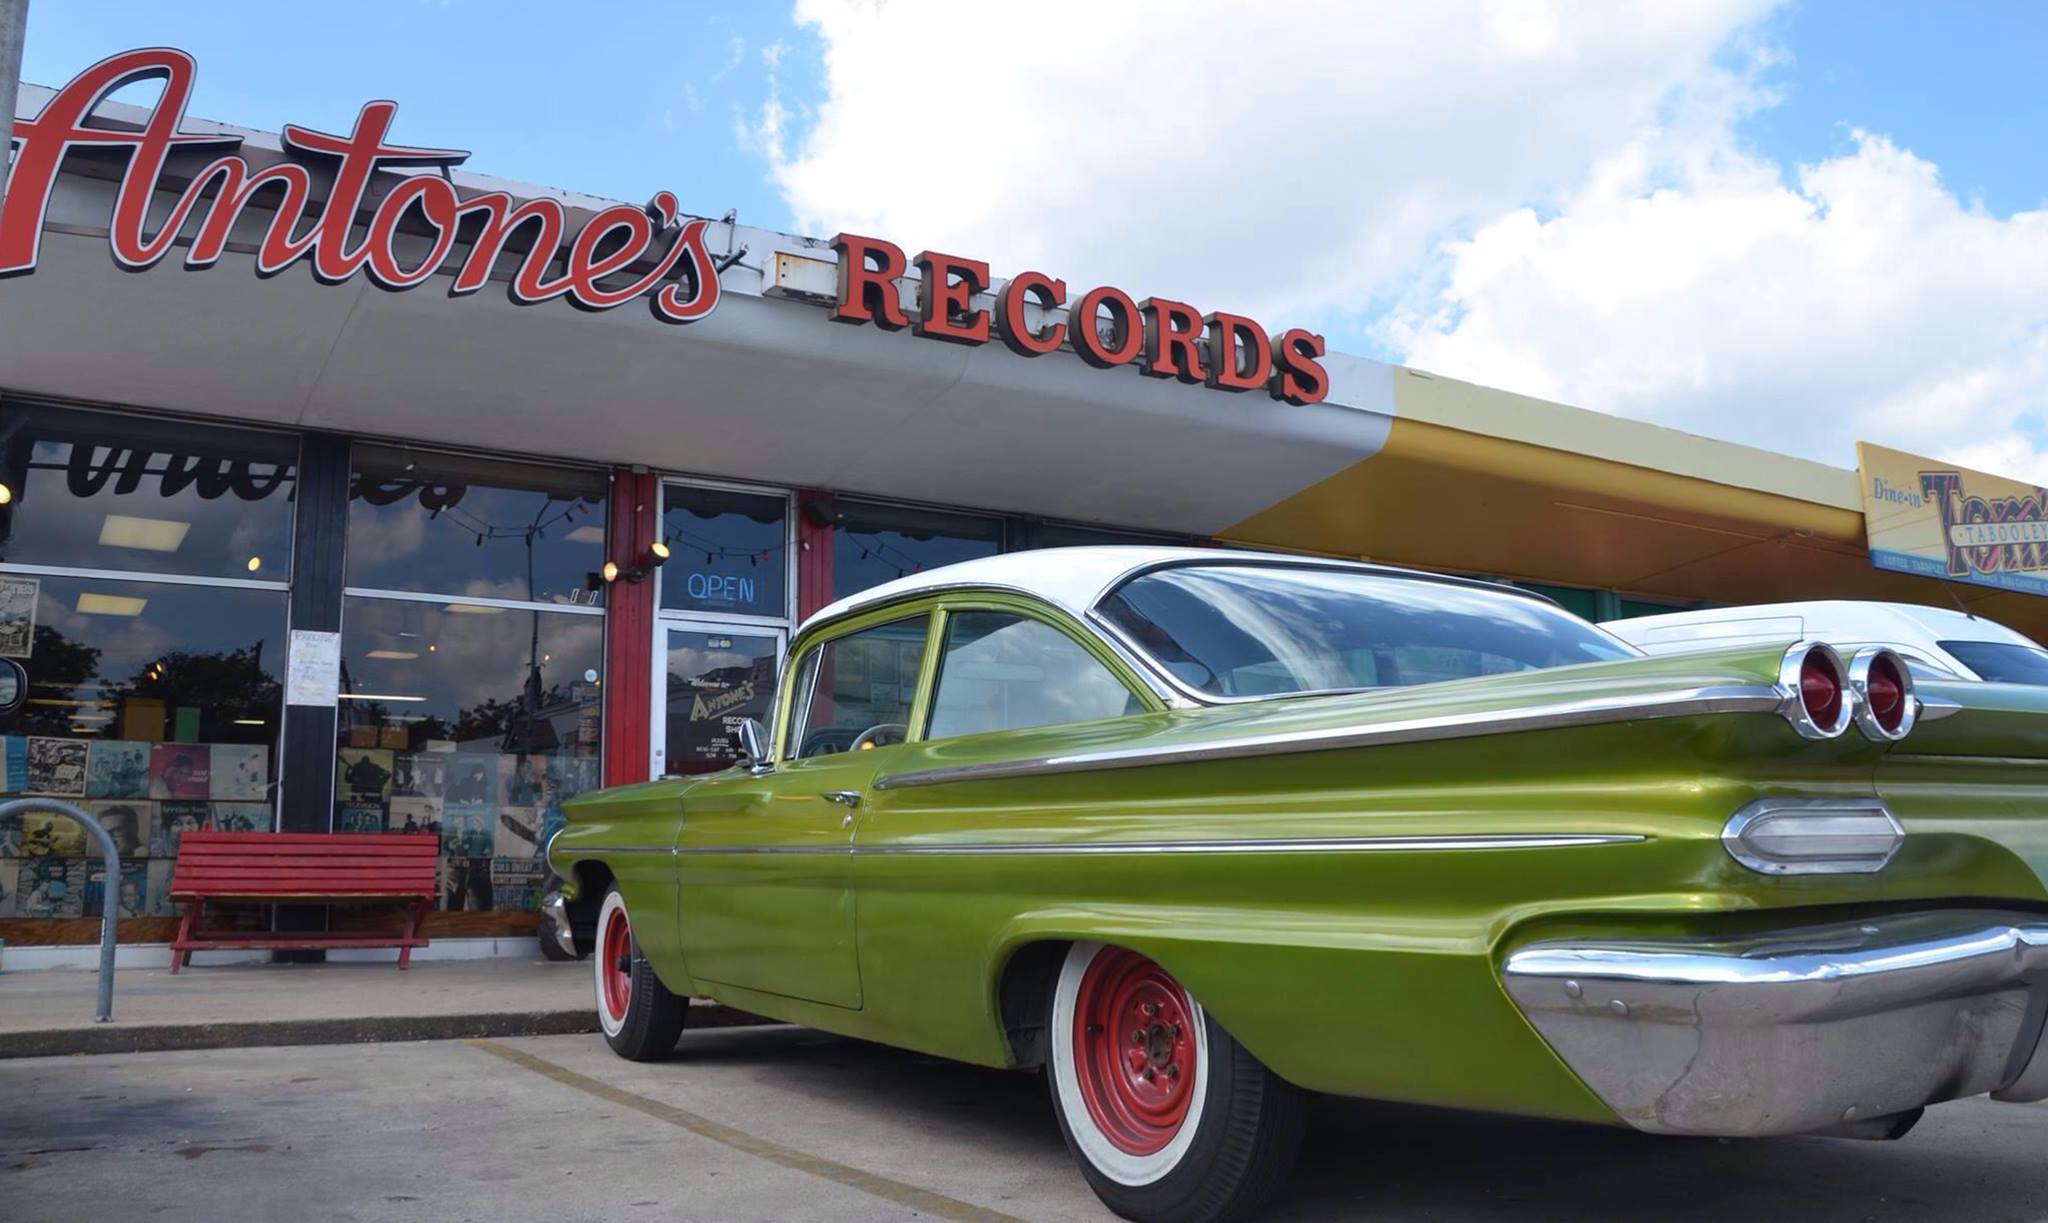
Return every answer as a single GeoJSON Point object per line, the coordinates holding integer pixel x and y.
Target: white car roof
{"type": "Point", "coordinates": [1833, 620]}
{"type": "Point", "coordinates": [1073, 579]}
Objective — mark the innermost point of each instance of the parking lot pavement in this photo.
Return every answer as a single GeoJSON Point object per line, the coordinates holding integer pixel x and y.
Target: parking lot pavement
{"type": "Point", "coordinates": [781, 1123]}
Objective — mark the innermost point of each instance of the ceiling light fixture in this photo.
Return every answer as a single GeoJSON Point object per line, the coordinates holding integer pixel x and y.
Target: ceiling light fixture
{"type": "Point", "coordinates": [397, 654]}
{"type": "Point", "coordinates": [143, 534]}
{"type": "Point", "coordinates": [93, 603]}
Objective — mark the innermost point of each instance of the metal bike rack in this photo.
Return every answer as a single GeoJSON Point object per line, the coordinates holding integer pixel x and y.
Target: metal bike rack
{"type": "Point", "coordinates": [110, 894]}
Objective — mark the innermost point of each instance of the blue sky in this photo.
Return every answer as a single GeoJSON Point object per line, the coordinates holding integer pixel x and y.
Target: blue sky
{"type": "Point", "coordinates": [1796, 223]}
{"type": "Point", "coordinates": [543, 100]}
{"type": "Point", "coordinates": [1960, 84]}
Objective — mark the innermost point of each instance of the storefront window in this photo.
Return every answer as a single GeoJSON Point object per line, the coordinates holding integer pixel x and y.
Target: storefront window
{"type": "Point", "coordinates": [728, 552]}
{"type": "Point", "coordinates": [468, 710]}
{"type": "Point", "coordinates": [877, 543]}
{"type": "Point", "coordinates": [473, 528]}
{"type": "Point", "coordinates": [154, 680]}
{"type": "Point", "coordinates": [94, 490]}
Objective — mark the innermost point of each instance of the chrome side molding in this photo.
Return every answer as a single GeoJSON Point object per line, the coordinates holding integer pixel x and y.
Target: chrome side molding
{"type": "Point", "coordinates": [1592, 711]}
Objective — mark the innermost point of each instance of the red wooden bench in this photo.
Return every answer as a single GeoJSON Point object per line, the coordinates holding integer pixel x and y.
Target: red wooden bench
{"type": "Point", "coordinates": [287, 867]}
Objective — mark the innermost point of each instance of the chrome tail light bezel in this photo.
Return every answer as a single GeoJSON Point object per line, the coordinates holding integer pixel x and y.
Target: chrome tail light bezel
{"type": "Point", "coordinates": [1790, 674]}
{"type": "Point", "coordinates": [1867, 836]}
{"type": "Point", "coordinates": [1867, 719]}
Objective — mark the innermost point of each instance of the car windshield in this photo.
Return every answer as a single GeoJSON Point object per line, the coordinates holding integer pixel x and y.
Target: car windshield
{"type": "Point", "coordinates": [1249, 630]}
{"type": "Point", "coordinates": [2002, 663]}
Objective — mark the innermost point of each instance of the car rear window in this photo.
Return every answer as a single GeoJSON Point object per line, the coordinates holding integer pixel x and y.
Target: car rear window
{"type": "Point", "coordinates": [1247, 630]}
{"type": "Point", "coordinates": [2002, 663]}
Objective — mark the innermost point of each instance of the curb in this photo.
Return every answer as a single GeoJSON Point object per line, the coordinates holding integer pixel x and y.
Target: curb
{"type": "Point", "coordinates": [254, 1034]}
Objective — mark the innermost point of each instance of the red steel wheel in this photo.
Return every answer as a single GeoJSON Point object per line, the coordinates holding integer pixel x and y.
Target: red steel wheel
{"type": "Point", "coordinates": [641, 1018]}
{"type": "Point", "coordinates": [615, 970]}
{"type": "Point", "coordinates": [1135, 1050]}
{"type": "Point", "coordinates": [1168, 1117]}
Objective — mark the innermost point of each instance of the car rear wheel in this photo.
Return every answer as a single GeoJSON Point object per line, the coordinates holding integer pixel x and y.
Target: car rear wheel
{"type": "Point", "coordinates": [1170, 1119]}
{"type": "Point", "coordinates": [641, 1019]}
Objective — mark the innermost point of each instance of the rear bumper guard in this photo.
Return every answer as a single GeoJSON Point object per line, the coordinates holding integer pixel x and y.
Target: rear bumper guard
{"type": "Point", "coordinates": [1797, 1030]}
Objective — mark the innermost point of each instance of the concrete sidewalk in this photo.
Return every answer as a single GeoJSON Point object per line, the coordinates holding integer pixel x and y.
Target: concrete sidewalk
{"type": "Point", "coordinates": [49, 1013]}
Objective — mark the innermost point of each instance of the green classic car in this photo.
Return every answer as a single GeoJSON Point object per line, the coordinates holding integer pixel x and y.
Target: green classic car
{"type": "Point", "coordinates": [1198, 832]}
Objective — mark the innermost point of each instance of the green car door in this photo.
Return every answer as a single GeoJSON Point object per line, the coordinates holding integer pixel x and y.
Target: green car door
{"type": "Point", "coordinates": [764, 856]}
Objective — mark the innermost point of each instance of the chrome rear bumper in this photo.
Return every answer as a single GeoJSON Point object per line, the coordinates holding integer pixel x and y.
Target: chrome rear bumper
{"type": "Point", "coordinates": [1797, 1030]}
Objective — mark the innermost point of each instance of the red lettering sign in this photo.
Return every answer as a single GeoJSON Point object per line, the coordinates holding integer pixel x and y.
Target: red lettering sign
{"type": "Point", "coordinates": [1105, 327]}
{"type": "Point", "coordinates": [422, 204]}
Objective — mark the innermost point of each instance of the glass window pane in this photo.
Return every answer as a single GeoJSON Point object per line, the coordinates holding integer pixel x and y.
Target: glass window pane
{"type": "Point", "coordinates": [878, 543]}
{"type": "Point", "coordinates": [728, 552]}
{"type": "Point", "coordinates": [1005, 672]}
{"type": "Point", "coordinates": [156, 707]}
{"type": "Point", "coordinates": [474, 723]}
{"type": "Point", "coordinates": [474, 528]}
{"type": "Point", "coordinates": [1032, 535]}
{"type": "Point", "coordinates": [858, 689]}
{"type": "Point", "coordinates": [1245, 630]}
{"type": "Point", "coordinates": [97, 490]}
{"type": "Point", "coordinates": [715, 681]}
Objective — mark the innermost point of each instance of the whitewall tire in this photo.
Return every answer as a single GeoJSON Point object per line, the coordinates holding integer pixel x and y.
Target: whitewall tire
{"type": "Point", "coordinates": [1168, 1117]}
{"type": "Point", "coordinates": [640, 1018]}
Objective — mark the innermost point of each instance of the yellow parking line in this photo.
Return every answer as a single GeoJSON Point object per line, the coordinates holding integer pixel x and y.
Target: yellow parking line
{"type": "Point", "coordinates": [938, 1205]}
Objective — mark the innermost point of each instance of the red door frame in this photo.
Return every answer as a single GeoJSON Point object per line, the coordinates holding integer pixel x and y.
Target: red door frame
{"type": "Point", "coordinates": [629, 629]}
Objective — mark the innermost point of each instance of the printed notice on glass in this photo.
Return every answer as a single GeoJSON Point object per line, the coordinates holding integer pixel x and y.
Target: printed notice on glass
{"type": "Point", "coordinates": [18, 616]}
{"type": "Point", "coordinates": [313, 676]}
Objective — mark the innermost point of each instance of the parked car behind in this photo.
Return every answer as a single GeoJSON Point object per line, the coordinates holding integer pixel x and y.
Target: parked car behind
{"type": "Point", "coordinates": [1936, 642]}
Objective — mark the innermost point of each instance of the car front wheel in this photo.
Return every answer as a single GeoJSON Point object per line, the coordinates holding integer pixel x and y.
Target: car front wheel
{"type": "Point", "coordinates": [641, 1019]}
{"type": "Point", "coordinates": [1170, 1119]}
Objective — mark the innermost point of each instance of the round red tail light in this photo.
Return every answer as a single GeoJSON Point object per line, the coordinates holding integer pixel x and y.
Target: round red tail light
{"type": "Point", "coordinates": [1816, 688]}
{"type": "Point", "coordinates": [1820, 688]}
{"type": "Point", "coordinates": [1887, 694]}
{"type": "Point", "coordinates": [1886, 706]}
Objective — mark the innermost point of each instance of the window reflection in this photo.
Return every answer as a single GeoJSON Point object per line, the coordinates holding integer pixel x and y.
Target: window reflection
{"type": "Point", "coordinates": [715, 681]}
{"type": "Point", "coordinates": [855, 692]}
{"type": "Point", "coordinates": [153, 705]}
{"type": "Point", "coordinates": [96, 490]}
{"type": "Point", "coordinates": [473, 528]}
{"type": "Point", "coordinates": [471, 722]}
{"type": "Point", "coordinates": [728, 552]}
{"type": "Point", "coordinates": [876, 543]}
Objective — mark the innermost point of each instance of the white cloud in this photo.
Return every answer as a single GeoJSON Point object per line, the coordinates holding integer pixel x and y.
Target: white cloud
{"type": "Point", "coordinates": [1545, 197]}
{"type": "Point", "coordinates": [1293, 160]}
{"type": "Point", "coordinates": [1688, 282]}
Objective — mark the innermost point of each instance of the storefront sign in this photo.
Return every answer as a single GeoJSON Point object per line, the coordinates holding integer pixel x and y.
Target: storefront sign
{"type": "Point", "coordinates": [426, 207]}
{"type": "Point", "coordinates": [1939, 520]}
{"type": "Point", "coordinates": [1166, 339]}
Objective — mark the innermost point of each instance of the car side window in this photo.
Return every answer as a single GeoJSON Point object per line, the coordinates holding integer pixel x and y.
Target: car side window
{"type": "Point", "coordinates": [854, 692]}
{"type": "Point", "coordinates": [999, 671]}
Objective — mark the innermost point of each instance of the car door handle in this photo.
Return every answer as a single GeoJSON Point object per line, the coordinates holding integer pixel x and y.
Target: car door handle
{"type": "Point", "coordinates": [845, 798]}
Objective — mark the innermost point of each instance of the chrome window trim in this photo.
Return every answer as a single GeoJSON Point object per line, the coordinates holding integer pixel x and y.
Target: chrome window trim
{"type": "Point", "coordinates": [1587, 712]}
{"type": "Point", "coordinates": [1138, 664]}
{"type": "Point", "coordinates": [449, 600]}
{"type": "Point", "coordinates": [141, 575]}
{"type": "Point", "coordinates": [1271, 845]}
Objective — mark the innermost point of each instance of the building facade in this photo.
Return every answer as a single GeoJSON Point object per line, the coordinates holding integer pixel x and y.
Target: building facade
{"type": "Point", "coordinates": [344, 489]}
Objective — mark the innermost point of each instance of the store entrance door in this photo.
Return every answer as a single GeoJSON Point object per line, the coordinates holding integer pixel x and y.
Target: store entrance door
{"type": "Point", "coordinates": [708, 679]}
